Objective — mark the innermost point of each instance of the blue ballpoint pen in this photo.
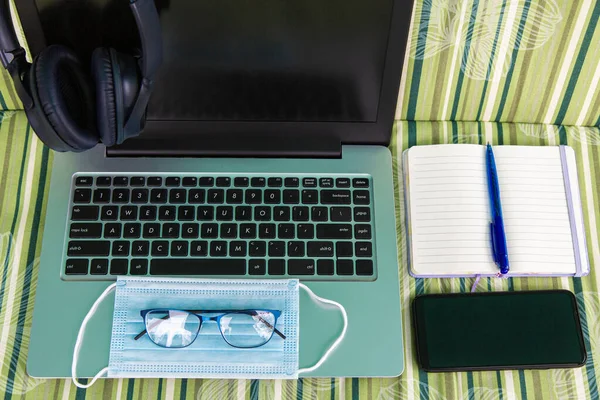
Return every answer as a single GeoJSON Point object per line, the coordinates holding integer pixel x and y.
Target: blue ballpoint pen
{"type": "Point", "coordinates": [498, 235]}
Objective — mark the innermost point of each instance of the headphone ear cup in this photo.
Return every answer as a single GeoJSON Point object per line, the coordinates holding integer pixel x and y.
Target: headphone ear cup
{"type": "Point", "coordinates": [63, 97]}
{"type": "Point", "coordinates": [117, 86]}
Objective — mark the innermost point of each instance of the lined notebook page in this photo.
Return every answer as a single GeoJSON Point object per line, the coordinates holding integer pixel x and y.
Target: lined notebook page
{"type": "Point", "coordinates": [450, 211]}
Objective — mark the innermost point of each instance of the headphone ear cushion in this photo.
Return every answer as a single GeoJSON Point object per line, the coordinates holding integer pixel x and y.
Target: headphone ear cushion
{"type": "Point", "coordinates": [117, 87]}
{"type": "Point", "coordinates": [65, 96]}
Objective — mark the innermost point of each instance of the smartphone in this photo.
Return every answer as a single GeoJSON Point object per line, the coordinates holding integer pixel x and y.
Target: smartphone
{"type": "Point", "coordinates": [498, 330]}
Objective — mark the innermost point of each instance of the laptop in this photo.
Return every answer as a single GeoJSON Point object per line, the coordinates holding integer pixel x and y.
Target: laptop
{"type": "Point", "coordinates": [264, 156]}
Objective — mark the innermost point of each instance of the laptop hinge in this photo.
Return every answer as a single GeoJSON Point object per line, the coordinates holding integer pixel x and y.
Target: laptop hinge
{"type": "Point", "coordinates": [308, 146]}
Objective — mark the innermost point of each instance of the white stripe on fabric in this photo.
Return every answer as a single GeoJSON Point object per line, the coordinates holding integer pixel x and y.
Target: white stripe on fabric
{"type": "Point", "coordinates": [342, 388]}
{"type": "Point", "coordinates": [170, 389]}
{"type": "Point", "coordinates": [278, 389]}
{"type": "Point", "coordinates": [551, 133]}
{"type": "Point", "coordinates": [241, 389]}
{"type": "Point", "coordinates": [585, 108]}
{"type": "Point", "coordinates": [66, 389]}
{"type": "Point", "coordinates": [119, 388]}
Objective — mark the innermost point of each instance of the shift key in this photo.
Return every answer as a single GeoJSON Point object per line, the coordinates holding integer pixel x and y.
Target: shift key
{"type": "Point", "coordinates": [88, 248]}
{"type": "Point", "coordinates": [334, 231]}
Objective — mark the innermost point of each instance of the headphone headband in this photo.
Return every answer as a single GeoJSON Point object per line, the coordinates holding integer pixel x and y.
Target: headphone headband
{"type": "Point", "coordinates": [8, 38]}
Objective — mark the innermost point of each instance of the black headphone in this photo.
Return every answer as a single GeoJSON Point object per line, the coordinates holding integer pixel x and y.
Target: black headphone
{"type": "Point", "coordinates": [58, 95]}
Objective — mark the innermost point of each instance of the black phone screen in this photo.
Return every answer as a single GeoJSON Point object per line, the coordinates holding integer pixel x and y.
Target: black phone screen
{"type": "Point", "coordinates": [502, 330]}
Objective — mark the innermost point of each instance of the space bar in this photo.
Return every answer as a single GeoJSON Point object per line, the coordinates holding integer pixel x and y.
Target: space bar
{"type": "Point", "coordinates": [197, 266]}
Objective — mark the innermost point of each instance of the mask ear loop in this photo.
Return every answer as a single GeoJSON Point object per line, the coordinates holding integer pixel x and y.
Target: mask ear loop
{"type": "Point", "coordinates": [80, 340]}
{"type": "Point", "coordinates": [338, 340]}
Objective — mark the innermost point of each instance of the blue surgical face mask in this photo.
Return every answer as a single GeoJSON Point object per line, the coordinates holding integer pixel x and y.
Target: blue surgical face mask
{"type": "Point", "coordinates": [209, 356]}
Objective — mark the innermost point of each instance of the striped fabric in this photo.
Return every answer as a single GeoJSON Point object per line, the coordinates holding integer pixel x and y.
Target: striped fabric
{"type": "Point", "coordinates": [24, 181]}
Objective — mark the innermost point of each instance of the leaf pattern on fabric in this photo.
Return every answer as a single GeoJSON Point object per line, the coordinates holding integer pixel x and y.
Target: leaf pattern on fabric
{"type": "Point", "coordinates": [584, 134]}
{"type": "Point", "coordinates": [401, 391]}
{"type": "Point", "coordinates": [482, 393]}
{"type": "Point", "coordinates": [448, 23]}
{"type": "Point", "coordinates": [15, 380]}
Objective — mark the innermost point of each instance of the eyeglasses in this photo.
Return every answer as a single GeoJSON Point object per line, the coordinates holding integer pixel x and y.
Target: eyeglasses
{"type": "Point", "coordinates": [239, 328]}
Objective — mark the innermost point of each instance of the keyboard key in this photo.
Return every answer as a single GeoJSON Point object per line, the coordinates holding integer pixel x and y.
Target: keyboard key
{"type": "Point", "coordinates": [319, 214]}
{"type": "Point", "coordinates": [206, 182]}
{"type": "Point", "coordinates": [364, 267]}
{"type": "Point", "coordinates": [190, 181]}
{"type": "Point", "coordinates": [112, 231]}
{"type": "Point", "coordinates": [295, 249]}
{"type": "Point", "coordinates": [325, 267]}
{"type": "Point", "coordinates": [76, 267]}
{"type": "Point", "coordinates": [216, 196]}
{"type": "Point", "coordinates": [206, 213]}
{"type": "Point", "coordinates": [223, 182]}
{"type": "Point", "coordinates": [83, 181]}
{"type": "Point", "coordinates": [132, 230]}
{"type": "Point", "coordinates": [85, 213]}
{"type": "Point", "coordinates": [137, 181]}
{"type": "Point", "coordinates": [166, 213]}
{"type": "Point", "coordinates": [138, 267]}
{"type": "Point", "coordinates": [306, 231]}
{"type": "Point", "coordinates": [121, 181]}
{"type": "Point", "coordinates": [360, 183]}
{"type": "Point", "coordinates": [257, 248]}
{"type": "Point", "coordinates": [258, 182]}
{"type": "Point", "coordinates": [209, 231]}
{"type": "Point", "coordinates": [229, 231]}
{"type": "Point", "coordinates": [309, 182]}
{"type": "Point", "coordinates": [170, 231]}
{"type": "Point", "coordinates": [326, 182]}
{"type": "Point", "coordinates": [191, 266]}
{"type": "Point", "coordinates": [120, 248]}
{"type": "Point", "coordinates": [85, 231]}
{"type": "Point", "coordinates": [285, 231]}
{"type": "Point", "coordinates": [275, 182]}
{"type": "Point", "coordinates": [129, 213]}
{"type": "Point", "coordinates": [148, 213]}
{"type": "Point", "coordinates": [272, 196]}
{"type": "Point", "coordinates": [292, 182]}
{"type": "Point", "coordinates": [362, 214]}
{"type": "Point", "coordinates": [173, 181]}
{"type": "Point", "coordinates": [281, 213]}
{"type": "Point", "coordinates": [82, 196]}
{"type": "Point", "coordinates": [139, 196]}
{"type": "Point", "coordinates": [243, 213]}
{"type": "Point", "coordinates": [300, 213]}
{"type": "Point", "coordinates": [310, 197]}
{"type": "Point", "coordinates": [301, 267]}
{"type": "Point", "coordinates": [140, 248]}
{"type": "Point", "coordinates": [344, 249]}
{"type": "Point", "coordinates": [345, 267]}
{"type": "Point", "coordinates": [342, 182]}
{"type": "Point", "coordinates": [109, 213]}
{"type": "Point", "coordinates": [151, 231]}
{"type": "Point", "coordinates": [177, 196]}
{"type": "Point", "coordinates": [257, 267]}
{"type": "Point", "coordinates": [291, 196]}
{"type": "Point", "coordinates": [160, 248]}
{"type": "Point", "coordinates": [253, 196]}
{"type": "Point", "coordinates": [225, 213]}
{"type": "Point", "coordinates": [248, 231]}
{"type": "Point", "coordinates": [99, 266]}
{"type": "Point", "coordinates": [158, 196]}
{"type": "Point", "coordinates": [267, 231]}
{"type": "Point", "coordinates": [262, 213]}
{"type": "Point", "coordinates": [276, 267]}
{"type": "Point", "coordinates": [186, 213]}
{"type": "Point", "coordinates": [334, 231]}
{"type": "Point", "coordinates": [241, 182]}
{"type": "Point", "coordinates": [335, 197]}
{"type": "Point", "coordinates": [179, 248]}
{"type": "Point", "coordinates": [277, 249]}
{"type": "Point", "coordinates": [362, 231]}
{"type": "Point", "coordinates": [88, 248]}
{"type": "Point", "coordinates": [154, 181]}
{"type": "Point", "coordinates": [101, 195]}
{"type": "Point", "coordinates": [319, 249]}
{"type": "Point", "coordinates": [190, 231]}
{"type": "Point", "coordinates": [103, 181]}
{"type": "Point", "coordinates": [199, 248]}
{"type": "Point", "coordinates": [196, 196]}
{"type": "Point", "coordinates": [235, 196]}
{"type": "Point", "coordinates": [363, 249]}
{"type": "Point", "coordinates": [237, 249]}
{"type": "Point", "coordinates": [341, 214]}
{"type": "Point", "coordinates": [120, 196]}
{"type": "Point", "coordinates": [119, 266]}
{"type": "Point", "coordinates": [361, 197]}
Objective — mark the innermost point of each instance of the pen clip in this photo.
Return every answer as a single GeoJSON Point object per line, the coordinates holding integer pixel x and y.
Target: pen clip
{"type": "Point", "coordinates": [493, 241]}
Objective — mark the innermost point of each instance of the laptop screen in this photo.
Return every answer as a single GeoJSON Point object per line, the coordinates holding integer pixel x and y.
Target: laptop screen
{"type": "Point", "coordinates": [271, 60]}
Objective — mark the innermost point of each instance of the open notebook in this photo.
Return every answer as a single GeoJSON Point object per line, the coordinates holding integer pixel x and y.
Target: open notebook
{"type": "Point", "coordinates": [448, 211]}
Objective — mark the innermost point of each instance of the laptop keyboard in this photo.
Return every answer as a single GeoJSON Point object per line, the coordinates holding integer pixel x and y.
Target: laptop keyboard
{"type": "Point", "coordinates": [310, 227]}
